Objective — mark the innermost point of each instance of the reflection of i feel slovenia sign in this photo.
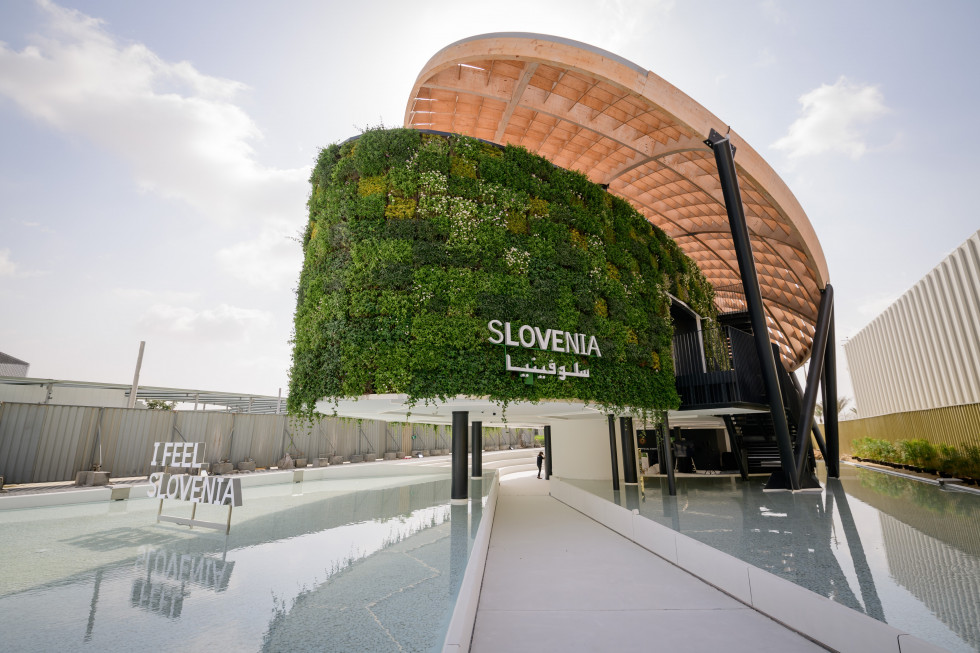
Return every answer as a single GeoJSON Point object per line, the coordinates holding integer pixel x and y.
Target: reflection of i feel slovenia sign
{"type": "Point", "coordinates": [217, 490]}
{"type": "Point", "coordinates": [555, 340]}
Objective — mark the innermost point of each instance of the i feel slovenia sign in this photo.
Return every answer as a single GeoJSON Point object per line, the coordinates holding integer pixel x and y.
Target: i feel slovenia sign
{"type": "Point", "coordinates": [217, 490]}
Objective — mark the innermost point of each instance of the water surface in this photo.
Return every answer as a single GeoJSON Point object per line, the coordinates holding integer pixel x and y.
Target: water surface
{"type": "Point", "coordinates": [332, 565]}
{"type": "Point", "coordinates": [902, 551]}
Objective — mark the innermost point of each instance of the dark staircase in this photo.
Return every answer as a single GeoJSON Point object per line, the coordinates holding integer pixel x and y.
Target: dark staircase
{"type": "Point", "coordinates": [732, 378]}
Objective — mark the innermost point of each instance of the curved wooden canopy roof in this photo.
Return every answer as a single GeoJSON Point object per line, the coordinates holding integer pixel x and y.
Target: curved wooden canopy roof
{"type": "Point", "coordinates": [589, 110]}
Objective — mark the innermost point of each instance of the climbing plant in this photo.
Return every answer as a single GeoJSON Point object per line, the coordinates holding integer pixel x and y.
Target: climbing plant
{"type": "Point", "coordinates": [416, 241]}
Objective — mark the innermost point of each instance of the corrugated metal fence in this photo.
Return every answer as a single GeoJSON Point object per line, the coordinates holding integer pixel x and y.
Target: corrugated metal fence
{"type": "Point", "coordinates": [954, 425]}
{"type": "Point", "coordinates": [46, 443]}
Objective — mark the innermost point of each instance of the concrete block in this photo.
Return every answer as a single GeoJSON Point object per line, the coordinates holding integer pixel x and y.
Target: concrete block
{"type": "Point", "coordinates": [370, 457]}
{"type": "Point", "coordinates": [357, 458]}
{"type": "Point", "coordinates": [222, 468]}
{"type": "Point", "coordinates": [400, 454]}
{"type": "Point", "coordinates": [321, 462]}
{"type": "Point", "coordinates": [246, 466]}
{"type": "Point", "coordinates": [391, 456]}
{"type": "Point", "coordinates": [337, 460]}
{"type": "Point", "coordinates": [120, 493]}
{"type": "Point", "coordinates": [300, 463]}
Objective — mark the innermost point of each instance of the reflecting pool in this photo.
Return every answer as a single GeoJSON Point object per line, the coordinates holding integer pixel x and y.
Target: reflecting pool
{"type": "Point", "coordinates": [359, 564]}
{"type": "Point", "coordinates": [902, 551]}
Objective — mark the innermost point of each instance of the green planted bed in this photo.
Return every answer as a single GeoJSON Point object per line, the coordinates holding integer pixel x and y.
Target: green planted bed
{"type": "Point", "coordinates": [416, 242]}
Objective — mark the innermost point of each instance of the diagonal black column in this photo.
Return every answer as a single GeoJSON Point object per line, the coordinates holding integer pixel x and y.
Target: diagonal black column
{"type": "Point", "coordinates": [460, 491]}
{"type": "Point", "coordinates": [724, 159]}
{"type": "Point", "coordinates": [817, 352]}
{"type": "Point", "coordinates": [612, 453]}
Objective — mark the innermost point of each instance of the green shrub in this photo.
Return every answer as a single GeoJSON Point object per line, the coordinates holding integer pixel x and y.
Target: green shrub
{"type": "Point", "coordinates": [919, 452]}
{"type": "Point", "coordinates": [874, 449]}
{"type": "Point", "coordinates": [971, 453]}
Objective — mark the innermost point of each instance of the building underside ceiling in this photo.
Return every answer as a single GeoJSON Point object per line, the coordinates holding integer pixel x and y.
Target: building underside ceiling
{"type": "Point", "coordinates": [622, 126]}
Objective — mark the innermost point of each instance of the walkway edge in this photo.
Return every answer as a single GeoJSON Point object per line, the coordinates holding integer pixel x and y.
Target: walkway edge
{"type": "Point", "coordinates": [814, 616]}
{"type": "Point", "coordinates": [460, 632]}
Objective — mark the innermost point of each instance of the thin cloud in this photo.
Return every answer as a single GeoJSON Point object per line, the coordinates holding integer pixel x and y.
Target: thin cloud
{"type": "Point", "coordinates": [222, 324]}
{"type": "Point", "coordinates": [832, 120]}
{"type": "Point", "coordinates": [177, 128]}
{"type": "Point", "coordinates": [773, 11]}
{"type": "Point", "coordinates": [8, 269]}
{"type": "Point", "coordinates": [270, 261]}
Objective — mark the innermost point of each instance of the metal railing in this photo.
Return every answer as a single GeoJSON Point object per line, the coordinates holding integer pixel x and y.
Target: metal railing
{"type": "Point", "coordinates": [717, 366]}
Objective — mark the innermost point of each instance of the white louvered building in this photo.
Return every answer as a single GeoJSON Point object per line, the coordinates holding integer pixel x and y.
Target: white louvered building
{"type": "Point", "coordinates": [923, 351]}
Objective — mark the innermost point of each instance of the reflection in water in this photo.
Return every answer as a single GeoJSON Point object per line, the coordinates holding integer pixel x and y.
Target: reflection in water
{"type": "Point", "coordinates": [872, 603]}
{"type": "Point", "coordinates": [381, 554]}
{"type": "Point", "coordinates": [163, 576]}
{"type": "Point", "coordinates": [945, 579]}
{"type": "Point", "coordinates": [901, 551]}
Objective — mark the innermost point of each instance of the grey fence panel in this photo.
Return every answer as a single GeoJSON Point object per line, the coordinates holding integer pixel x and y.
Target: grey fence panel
{"type": "Point", "coordinates": [269, 449]}
{"type": "Point", "coordinates": [127, 437]}
{"type": "Point", "coordinates": [45, 443]}
{"type": "Point", "coordinates": [212, 428]}
{"type": "Point", "coordinates": [66, 442]}
{"type": "Point", "coordinates": [20, 431]}
{"type": "Point", "coordinates": [256, 437]}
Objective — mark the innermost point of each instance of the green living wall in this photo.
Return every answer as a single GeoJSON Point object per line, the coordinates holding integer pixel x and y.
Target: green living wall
{"type": "Point", "coordinates": [416, 241]}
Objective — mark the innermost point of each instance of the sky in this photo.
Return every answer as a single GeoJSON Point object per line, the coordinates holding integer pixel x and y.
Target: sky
{"type": "Point", "coordinates": [154, 157]}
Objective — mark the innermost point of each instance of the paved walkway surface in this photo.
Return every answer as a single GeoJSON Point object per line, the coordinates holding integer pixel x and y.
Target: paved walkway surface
{"type": "Point", "coordinates": [556, 580]}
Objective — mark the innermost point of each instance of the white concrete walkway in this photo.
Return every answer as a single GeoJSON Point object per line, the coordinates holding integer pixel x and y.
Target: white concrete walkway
{"type": "Point", "coordinates": [556, 580]}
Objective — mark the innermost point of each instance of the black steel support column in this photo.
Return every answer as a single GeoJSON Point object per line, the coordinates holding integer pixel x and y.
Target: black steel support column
{"type": "Point", "coordinates": [548, 451]}
{"type": "Point", "coordinates": [476, 444]}
{"type": "Point", "coordinates": [743, 465]}
{"type": "Point", "coordinates": [817, 353]}
{"type": "Point", "coordinates": [724, 159]}
{"type": "Point", "coordinates": [830, 403]}
{"type": "Point", "coordinates": [668, 461]}
{"type": "Point", "coordinates": [460, 491]}
{"type": "Point", "coordinates": [629, 450]}
{"type": "Point", "coordinates": [612, 453]}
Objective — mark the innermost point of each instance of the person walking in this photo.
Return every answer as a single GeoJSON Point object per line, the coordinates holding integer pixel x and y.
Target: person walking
{"type": "Point", "coordinates": [540, 461]}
